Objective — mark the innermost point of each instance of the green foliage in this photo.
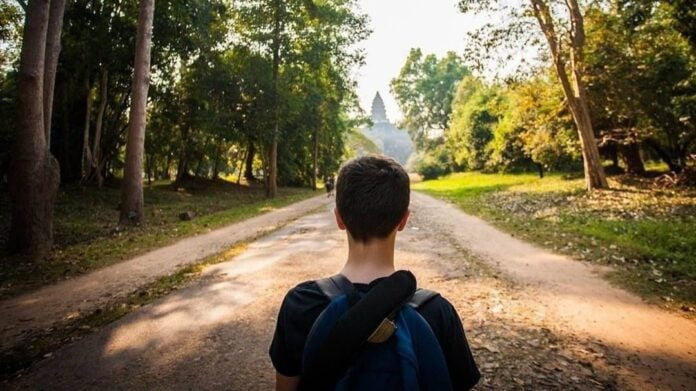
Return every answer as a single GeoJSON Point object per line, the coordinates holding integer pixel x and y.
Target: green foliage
{"type": "Point", "coordinates": [475, 114]}
{"type": "Point", "coordinates": [642, 78]}
{"type": "Point", "coordinates": [424, 90]}
{"type": "Point", "coordinates": [11, 19]}
{"type": "Point", "coordinates": [434, 163]}
{"type": "Point", "coordinates": [548, 135]}
{"type": "Point", "coordinates": [213, 98]}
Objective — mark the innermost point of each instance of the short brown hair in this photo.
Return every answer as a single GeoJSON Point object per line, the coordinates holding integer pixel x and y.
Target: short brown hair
{"type": "Point", "coordinates": [372, 196]}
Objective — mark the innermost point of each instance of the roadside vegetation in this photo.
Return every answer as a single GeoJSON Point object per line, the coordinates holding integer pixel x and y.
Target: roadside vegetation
{"type": "Point", "coordinates": [87, 236]}
{"type": "Point", "coordinates": [647, 234]}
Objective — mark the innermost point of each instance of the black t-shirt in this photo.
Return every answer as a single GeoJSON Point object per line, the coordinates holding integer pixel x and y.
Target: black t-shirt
{"type": "Point", "coordinates": [304, 303]}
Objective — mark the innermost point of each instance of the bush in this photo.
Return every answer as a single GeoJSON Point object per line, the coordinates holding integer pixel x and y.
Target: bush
{"type": "Point", "coordinates": [434, 164]}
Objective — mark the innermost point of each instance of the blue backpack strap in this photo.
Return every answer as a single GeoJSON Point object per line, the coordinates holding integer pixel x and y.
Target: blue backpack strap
{"type": "Point", "coordinates": [335, 286]}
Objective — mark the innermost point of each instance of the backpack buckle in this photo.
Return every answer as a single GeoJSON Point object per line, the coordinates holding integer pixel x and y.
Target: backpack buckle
{"type": "Point", "coordinates": [382, 333]}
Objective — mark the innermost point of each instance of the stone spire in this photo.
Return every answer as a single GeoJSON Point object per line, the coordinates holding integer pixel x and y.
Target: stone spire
{"type": "Point", "coordinates": [379, 113]}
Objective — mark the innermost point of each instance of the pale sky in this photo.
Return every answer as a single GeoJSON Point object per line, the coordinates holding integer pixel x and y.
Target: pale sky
{"type": "Point", "coordinates": [435, 26]}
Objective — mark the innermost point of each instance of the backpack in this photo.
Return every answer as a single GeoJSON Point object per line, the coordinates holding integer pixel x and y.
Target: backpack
{"type": "Point", "coordinates": [402, 352]}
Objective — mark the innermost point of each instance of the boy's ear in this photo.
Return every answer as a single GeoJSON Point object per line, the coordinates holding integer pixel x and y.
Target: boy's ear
{"type": "Point", "coordinates": [339, 220]}
{"type": "Point", "coordinates": [404, 220]}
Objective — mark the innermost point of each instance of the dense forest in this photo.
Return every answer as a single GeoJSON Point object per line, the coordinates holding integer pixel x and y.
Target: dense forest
{"type": "Point", "coordinates": [260, 90]}
{"type": "Point", "coordinates": [631, 63]}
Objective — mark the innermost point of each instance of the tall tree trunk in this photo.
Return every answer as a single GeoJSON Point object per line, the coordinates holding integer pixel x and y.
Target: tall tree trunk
{"type": "Point", "coordinates": [249, 163]}
{"type": "Point", "coordinates": [165, 170]}
{"type": "Point", "coordinates": [216, 165]}
{"type": "Point", "coordinates": [53, 33]}
{"type": "Point", "coordinates": [34, 172]}
{"type": "Point", "coordinates": [315, 158]}
{"type": "Point", "coordinates": [272, 180]}
{"type": "Point", "coordinates": [241, 165]}
{"type": "Point", "coordinates": [132, 202]}
{"type": "Point", "coordinates": [183, 164]}
{"type": "Point", "coordinates": [199, 164]}
{"type": "Point", "coordinates": [99, 128]}
{"type": "Point", "coordinates": [575, 92]}
{"type": "Point", "coordinates": [86, 151]}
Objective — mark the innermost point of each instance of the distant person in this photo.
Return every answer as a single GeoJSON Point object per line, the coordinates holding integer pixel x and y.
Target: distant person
{"type": "Point", "coordinates": [329, 184]}
{"type": "Point", "coordinates": [368, 328]}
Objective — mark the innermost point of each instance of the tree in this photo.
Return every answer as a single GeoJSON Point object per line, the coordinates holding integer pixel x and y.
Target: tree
{"type": "Point", "coordinates": [300, 38]}
{"type": "Point", "coordinates": [34, 173]}
{"type": "Point", "coordinates": [567, 55]}
{"type": "Point", "coordinates": [574, 92]}
{"type": "Point", "coordinates": [132, 190]}
{"type": "Point", "coordinates": [641, 77]}
{"type": "Point", "coordinates": [424, 90]}
{"type": "Point", "coordinates": [475, 115]}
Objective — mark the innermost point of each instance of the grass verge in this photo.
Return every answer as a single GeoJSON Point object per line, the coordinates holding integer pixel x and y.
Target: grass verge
{"type": "Point", "coordinates": [647, 235]}
{"type": "Point", "coordinates": [87, 236]}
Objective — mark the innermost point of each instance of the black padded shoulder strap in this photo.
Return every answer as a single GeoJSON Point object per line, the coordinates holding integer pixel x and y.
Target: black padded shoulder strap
{"type": "Point", "coordinates": [421, 297]}
{"type": "Point", "coordinates": [335, 285]}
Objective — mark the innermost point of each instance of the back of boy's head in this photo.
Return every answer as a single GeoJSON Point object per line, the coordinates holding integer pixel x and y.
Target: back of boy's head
{"type": "Point", "coordinates": [372, 196]}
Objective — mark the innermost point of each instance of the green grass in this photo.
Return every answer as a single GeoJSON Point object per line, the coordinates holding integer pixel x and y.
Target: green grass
{"type": "Point", "coordinates": [647, 234]}
{"type": "Point", "coordinates": [87, 236]}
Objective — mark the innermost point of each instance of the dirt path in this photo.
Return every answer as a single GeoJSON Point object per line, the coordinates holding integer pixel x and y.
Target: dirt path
{"type": "Point", "coordinates": [68, 299]}
{"type": "Point", "coordinates": [525, 330]}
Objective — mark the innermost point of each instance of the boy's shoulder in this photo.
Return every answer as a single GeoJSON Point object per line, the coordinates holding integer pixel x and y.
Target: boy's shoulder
{"type": "Point", "coordinates": [307, 299]}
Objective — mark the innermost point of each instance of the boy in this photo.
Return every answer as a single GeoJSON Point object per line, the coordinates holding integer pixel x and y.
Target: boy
{"type": "Point", "coordinates": [372, 198]}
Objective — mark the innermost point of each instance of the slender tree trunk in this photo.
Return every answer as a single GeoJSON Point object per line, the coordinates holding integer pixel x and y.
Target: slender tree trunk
{"type": "Point", "coordinates": [272, 180]}
{"type": "Point", "coordinates": [241, 166]}
{"type": "Point", "coordinates": [53, 33]}
{"type": "Point", "coordinates": [149, 163]}
{"type": "Point", "coordinates": [249, 163]}
{"type": "Point", "coordinates": [165, 172]}
{"type": "Point", "coordinates": [86, 151]}
{"type": "Point", "coordinates": [315, 158]}
{"type": "Point", "coordinates": [199, 164]}
{"type": "Point", "coordinates": [216, 165]}
{"type": "Point", "coordinates": [182, 167]}
{"type": "Point", "coordinates": [96, 165]}
{"type": "Point", "coordinates": [132, 202]}
{"type": "Point", "coordinates": [34, 172]}
{"type": "Point", "coordinates": [575, 92]}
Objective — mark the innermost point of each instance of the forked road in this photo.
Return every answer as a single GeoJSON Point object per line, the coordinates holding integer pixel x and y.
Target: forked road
{"type": "Point", "coordinates": [535, 320]}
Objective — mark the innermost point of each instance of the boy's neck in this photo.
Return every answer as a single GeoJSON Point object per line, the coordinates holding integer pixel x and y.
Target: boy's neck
{"type": "Point", "coordinates": [368, 261]}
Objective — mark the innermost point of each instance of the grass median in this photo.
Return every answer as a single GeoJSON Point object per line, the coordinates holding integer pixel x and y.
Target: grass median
{"type": "Point", "coordinates": [647, 234]}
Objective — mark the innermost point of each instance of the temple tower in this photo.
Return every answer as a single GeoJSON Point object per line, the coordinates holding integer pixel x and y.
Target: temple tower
{"type": "Point", "coordinates": [379, 113]}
